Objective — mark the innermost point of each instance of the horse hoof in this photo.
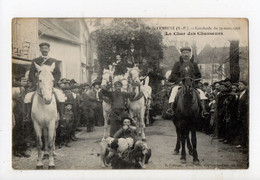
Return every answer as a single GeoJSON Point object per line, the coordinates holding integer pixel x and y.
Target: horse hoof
{"type": "Point", "coordinates": [175, 152]}
{"type": "Point", "coordinates": [46, 156]}
{"type": "Point", "coordinates": [196, 162]}
{"type": "Point", "coordinates": [39, 167]}
{"type": "Point", "coordinates": [183, 161]}
{"type": "Point", "coordinates": [51, 167]}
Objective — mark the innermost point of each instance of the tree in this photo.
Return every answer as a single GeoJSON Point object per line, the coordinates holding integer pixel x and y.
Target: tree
{"type": "Point", "coordinates": [120, 33]}
{"type": "Point", "coordinates": [234, 61]}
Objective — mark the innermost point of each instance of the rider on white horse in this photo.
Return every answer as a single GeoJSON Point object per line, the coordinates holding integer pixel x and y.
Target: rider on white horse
{"type": "Point", "coordinates": [45, 60]}
{"type": "Point", "coordinates": [175, 78]}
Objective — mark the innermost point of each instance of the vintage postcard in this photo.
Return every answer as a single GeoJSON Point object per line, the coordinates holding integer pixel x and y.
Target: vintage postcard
{"type": "Point", "coordinates": [130, 93]}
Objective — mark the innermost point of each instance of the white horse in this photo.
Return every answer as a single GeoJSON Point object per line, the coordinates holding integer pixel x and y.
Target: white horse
{"type": "Point", "coordinates": [107, 78]}
{"type": "Point", "coordinates": [44, 112]}
{"type": "Point", "coordinates": [137, 105]}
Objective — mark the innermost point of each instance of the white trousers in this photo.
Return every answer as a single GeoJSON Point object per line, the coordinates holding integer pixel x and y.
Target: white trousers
{"type": "Point", "coordinates": [60, 96]}
{"type": "Point", "coordinates": [175, 90]}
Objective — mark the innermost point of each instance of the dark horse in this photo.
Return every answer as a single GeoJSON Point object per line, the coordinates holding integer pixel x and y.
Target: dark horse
{"type": "Point", "coordinates": [187, 113]}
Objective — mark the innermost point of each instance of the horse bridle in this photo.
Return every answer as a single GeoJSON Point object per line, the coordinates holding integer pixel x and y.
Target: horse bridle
{"type": "Point", "coordinates": [110, 77]}
{"type": "Point", "coordinates": [39, 91]}
{"type": "Point", "coordinates": [130, 75]}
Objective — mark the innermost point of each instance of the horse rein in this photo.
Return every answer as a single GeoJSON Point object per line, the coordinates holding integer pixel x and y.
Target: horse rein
{"type": "Point", "coordinates": [130, 75]}
{"type": "Point", "coordinates": [192, 79]}
{"type": "Point", "coordinates": [39, 90]}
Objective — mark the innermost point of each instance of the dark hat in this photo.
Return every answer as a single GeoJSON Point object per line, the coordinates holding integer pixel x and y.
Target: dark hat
{"type": "Point", "coordinates": [206, 83]}
{"type": "Point", "coordinates": [44, 44]}
{"type": "Point", "coordinates": [227, 80]}
{"type": "Point", "coordinates": [96, 82]}
{"type": "Point", "coordinates": [68, 102]}
{"type": "Point", "coordinates": [73, 81]}
{"type": "Point", "coordinates": [244, 82]}
{"type": "Point", "coordinates": [186, 49]}
{"type": "Point", "coordinates": [118, 83]}
{"type": "Point", "coordinates": [131, 120]}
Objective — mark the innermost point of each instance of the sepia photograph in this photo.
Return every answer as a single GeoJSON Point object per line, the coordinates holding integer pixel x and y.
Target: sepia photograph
{"type": "Point", "coordinates": [130, 93]}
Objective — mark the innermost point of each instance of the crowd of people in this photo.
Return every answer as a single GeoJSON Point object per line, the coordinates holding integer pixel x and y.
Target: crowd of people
{"type": "Point", "coordinates": [81, 109]}
{"type": "Point", "coordinates": [224, 104]}
{"type": "Point", "coordinates": [227, 105]}
{"type": "Point", "coordinates": [229, 112]}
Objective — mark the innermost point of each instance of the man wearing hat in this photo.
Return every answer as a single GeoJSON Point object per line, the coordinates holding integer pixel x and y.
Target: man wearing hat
{"type": "Point", "coordinates": [44, 59]}
{"type": "Point", "coordinates": [88, 107]}
{"type": "Point", "coordinates": [133, 56]}
{"type": "Point", "coordinates": [175, 77]}
{"type": "Point", "coordinates": [99, 108]}
{"type": "Point", "coordinates": [118, 99]}
{"type": "Point", "coordinates": [243, 113]}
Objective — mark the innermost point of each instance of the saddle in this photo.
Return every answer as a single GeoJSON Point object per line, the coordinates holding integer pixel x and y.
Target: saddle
{"type": "Point", "coordinates": [55, 95]}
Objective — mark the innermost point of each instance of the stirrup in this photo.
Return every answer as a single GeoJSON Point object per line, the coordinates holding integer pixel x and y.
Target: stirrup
{"type": "Point", "coordinates": [170, 112]}
{"type": "Point", "coordinates": [204, 114]}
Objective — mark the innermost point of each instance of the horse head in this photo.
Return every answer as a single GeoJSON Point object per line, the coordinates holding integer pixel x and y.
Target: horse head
{"type": "Point", "coordinates": [45, 82]}
{"type": "Point", "coordinates": [187, 73]}
{"type": "Point", "coordinates": [134, 76]}
{"type": "Point", "coordinates": [107, 77]}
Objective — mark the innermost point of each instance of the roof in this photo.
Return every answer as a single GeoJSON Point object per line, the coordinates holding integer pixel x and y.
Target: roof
{"type": "Point", "coordinates": [60, 28]}
{"type": "Point", "coordinates": [219, 54]}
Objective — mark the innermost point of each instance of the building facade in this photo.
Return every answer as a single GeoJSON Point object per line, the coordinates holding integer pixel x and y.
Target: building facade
{"type": "Point", "coordinates": [70, 44]}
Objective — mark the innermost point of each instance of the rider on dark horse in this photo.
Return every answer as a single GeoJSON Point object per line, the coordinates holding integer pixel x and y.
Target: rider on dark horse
{"type": "Point", "coordinates": [175, 77]}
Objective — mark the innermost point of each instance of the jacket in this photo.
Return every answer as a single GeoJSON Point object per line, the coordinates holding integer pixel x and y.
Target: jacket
{"type": "Point", "coordinates": [176, 75]}
{"type": "Point", "coordinates": [118, 99]}
{"type": "Point", "coordinates": [56, 72]}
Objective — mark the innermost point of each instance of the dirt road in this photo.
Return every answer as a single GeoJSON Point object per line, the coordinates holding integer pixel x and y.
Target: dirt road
{"type": "Point", "coordinates": [161, 138]}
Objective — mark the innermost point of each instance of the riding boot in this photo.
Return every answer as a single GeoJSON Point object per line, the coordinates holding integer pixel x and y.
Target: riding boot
{"type": "Point", "coordinates": [170, 111]}
{"type": "Point", "coordinates": [28, 107]}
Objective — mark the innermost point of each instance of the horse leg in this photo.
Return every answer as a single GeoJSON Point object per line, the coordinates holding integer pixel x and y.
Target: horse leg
{"type": "Point", "coordinates": [54, 138]}
{"type": "Point", "coordinates": [177, 146]}
{"type": "Point", "coordinates": [189, 145]}
{"type": "Point", "coordinates": [105, 113]}
{"type": "Point", "coordinates": [194, 144]}
{"type": "Point", "coordinates": [45, 135]}
{"type": "Point", "coordinates": [54, 143]}
{"type": "Point", "coordinates": [183, 151]}
{"type": "Point", "coordinates": [131, 113]}
{"type": "Point", "coordinates": [38, 132]}
{"type": "Point", "coordinates": [142, 125]}
{"type": "Point", "coordinates": [51, 134]}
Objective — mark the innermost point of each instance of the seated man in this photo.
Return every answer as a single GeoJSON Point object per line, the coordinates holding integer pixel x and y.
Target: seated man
{"type": "Point", "coordinates": [175, 77]}
{"type": "Point", "coordinates": [45, 60]}
{"type": "Point", "coordinates": [127, 131]}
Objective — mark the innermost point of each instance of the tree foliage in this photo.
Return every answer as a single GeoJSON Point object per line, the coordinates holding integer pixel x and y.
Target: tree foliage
{"type": "Point", "coordinates": [122, 32]}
